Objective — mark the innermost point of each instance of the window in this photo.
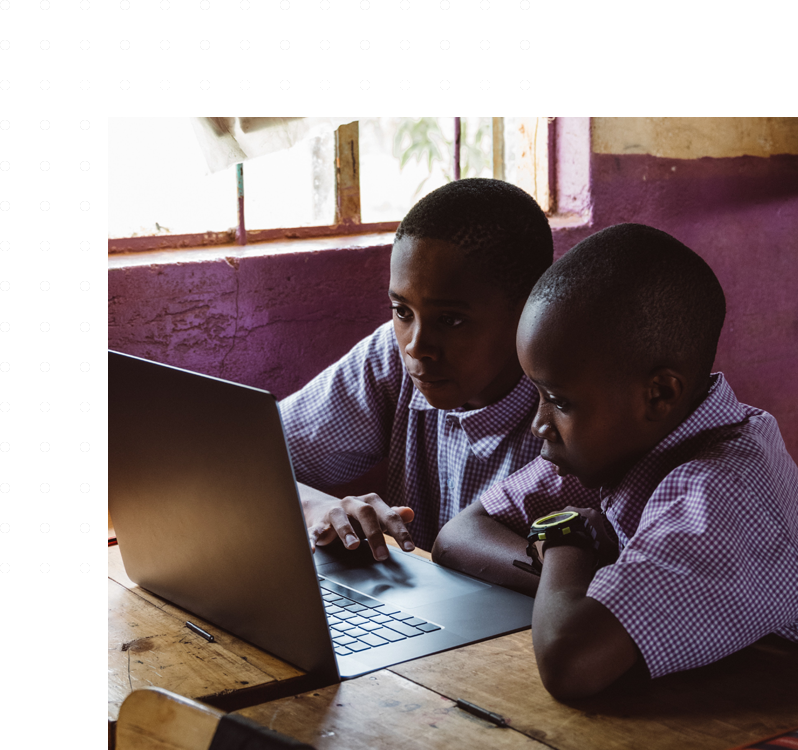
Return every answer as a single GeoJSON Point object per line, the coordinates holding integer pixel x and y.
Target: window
{"type": "Point", "coordinates": [402, 159]}
{"type": "Point", "coordinates": [362, 178]}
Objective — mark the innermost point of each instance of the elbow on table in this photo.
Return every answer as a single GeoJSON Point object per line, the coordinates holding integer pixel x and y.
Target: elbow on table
{"type": "Point", "coordinates": [568, 672]}
{"type": "Point", "coordinates": [449, 550]}
{"type": "Point", "coordinates": [441, 548]}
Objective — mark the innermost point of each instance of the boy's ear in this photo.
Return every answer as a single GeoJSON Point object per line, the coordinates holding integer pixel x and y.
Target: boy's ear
{"type": "Point", "coordinates": [666, 391]}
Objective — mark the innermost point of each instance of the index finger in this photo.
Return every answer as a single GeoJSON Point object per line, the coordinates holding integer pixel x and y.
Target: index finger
{"type": "Point", "coordinates": [340, 525]}
{"type": "Point", "coordinates": [391, 520]}
{"type": "Point", "coordinates": [376, 517]}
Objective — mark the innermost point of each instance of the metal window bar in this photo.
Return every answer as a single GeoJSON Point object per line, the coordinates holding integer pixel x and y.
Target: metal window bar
{"type": "Point", "coordinates": [241, 235]}
{"type": "Point", "coordinates": [456, 148]}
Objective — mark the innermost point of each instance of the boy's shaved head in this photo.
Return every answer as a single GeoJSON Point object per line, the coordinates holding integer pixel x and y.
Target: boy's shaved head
{"type": "Point", "coordinates": [650, 299]}
{"type": "Point", "coordinates": [497, 226]}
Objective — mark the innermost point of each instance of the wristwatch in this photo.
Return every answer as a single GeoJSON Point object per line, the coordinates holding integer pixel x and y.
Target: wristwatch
{"type": "Point", "coordinates": [556, 529]}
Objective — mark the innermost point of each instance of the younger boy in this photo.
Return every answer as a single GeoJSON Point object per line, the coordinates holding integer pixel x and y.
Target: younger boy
{"type": "Point", "coordinates": [619, 337]}
{"type": "Point", "coordinates": [439, 392]}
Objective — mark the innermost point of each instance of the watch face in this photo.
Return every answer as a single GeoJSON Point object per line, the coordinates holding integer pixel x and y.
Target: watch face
{"type": "Point", "coordinates": [562, 525]}
{"type": "Point", "coordinates": [565, 527]}
{"type": "Point", "coordinates": [555, 519]}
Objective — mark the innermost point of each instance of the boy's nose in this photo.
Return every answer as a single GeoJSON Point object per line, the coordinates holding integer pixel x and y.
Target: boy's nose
{"type": "Point", "coordinates": [542, 428]}
{"type": "Point", "coordinates": [420, 345]}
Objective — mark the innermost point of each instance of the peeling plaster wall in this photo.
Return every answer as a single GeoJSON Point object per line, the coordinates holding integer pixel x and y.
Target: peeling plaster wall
{"type": "Point", "coordinates": [270, 321]}
{"type": "Point", "coordinates": [276, 320]}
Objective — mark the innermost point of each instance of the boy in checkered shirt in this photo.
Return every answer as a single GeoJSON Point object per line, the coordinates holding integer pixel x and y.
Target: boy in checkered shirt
{"type": "Point", "coordinates": [438, 391]}
{"type": "Point", "coordinates": [619, 337]}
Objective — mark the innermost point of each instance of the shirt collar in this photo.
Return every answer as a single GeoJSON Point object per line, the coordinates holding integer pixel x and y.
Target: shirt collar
{"type": "Point", "coordinates": [485, 428]}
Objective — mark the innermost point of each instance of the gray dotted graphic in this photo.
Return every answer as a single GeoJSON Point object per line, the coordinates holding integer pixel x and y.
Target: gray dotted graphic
{"type": "Point", "coordinates": [53, 376]}
{"type": "Point", "coordinates": [208, 48]}
{"type": "Point", "coordinates": [67, 198]}
{"type": "Point", "coordinates": [24, 25]}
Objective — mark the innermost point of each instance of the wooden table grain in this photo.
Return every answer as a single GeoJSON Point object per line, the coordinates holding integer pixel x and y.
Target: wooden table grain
{"type": "Point", "coordinates": [384, 710]}
{"type": "Point", "coordinates": [743, 697]}
{"type": "Point", "coordinates": [739, 699]}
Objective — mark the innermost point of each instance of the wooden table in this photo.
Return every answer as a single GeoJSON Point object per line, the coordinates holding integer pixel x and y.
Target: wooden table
{"type": "Point", "coordinates": [744, 697]}
{"type": "Point", "coordinates": [149, 644]}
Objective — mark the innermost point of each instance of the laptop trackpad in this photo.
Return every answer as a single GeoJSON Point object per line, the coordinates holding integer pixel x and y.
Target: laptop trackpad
{"type": "Point", "coordinates": [403, 580]}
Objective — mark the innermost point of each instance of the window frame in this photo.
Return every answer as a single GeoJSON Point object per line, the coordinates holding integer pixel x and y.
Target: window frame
{"type": "Point", "coordinates": [347, 196]}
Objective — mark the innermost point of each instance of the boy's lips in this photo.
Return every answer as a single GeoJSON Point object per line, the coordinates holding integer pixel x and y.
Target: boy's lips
{"type": "Point", "coordinates": [428, 380]}
{"type": "Point", "coordinates": [558, 466]}
{"type": "Point", "coordinates": [430, 386]}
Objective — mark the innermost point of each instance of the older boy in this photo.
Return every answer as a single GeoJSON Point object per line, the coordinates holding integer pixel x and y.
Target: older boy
{"type": "Point", "coordinates": [439, 391]}
{"type": "Point", "coordinates": [619, 338]}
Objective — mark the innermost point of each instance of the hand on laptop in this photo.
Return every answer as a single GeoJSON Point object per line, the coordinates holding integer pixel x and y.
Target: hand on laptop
{"type": "Point", "coordinates": [328, 518]}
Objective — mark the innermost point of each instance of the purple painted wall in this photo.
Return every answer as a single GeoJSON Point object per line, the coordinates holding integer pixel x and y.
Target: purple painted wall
{"type": "Point", "coordinates": [275, 320]}
{"type": "Point", "coordinates": [271, 321]}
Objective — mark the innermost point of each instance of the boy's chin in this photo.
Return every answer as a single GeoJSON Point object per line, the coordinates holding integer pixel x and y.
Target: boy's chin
{"type": "Point", "coordinates": [443, 399]}
{"type": "Point", "coordinates": [586, 480]}
{"type": "Point", "coordinates": [589, 482]}
{"type": "Point", "coordinates": [603, 479]}
{"type": "Point", "coordinates": [443, 404]}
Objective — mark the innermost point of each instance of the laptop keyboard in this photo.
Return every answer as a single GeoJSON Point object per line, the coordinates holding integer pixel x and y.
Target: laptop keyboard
{"type": "Point", "coordinates": [356, 627]}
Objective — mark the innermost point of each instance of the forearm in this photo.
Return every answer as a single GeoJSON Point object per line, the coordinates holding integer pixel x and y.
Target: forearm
{"type": "Point", "coordinates": [557, 620]}
{"type": "Point", "coordinates": [580, 647]}
{"type": "Point", "coordinates": [481, 546]}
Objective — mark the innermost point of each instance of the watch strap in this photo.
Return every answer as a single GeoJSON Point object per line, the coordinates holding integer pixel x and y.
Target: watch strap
{"type": "Point", "coordinates": [575, 530]}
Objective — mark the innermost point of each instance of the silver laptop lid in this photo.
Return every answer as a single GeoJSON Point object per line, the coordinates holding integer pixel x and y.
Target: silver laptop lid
{"type": "Point", "coordinates": [192, 460]}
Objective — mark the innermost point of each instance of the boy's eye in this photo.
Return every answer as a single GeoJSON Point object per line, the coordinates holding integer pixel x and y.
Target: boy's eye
{"type": "Point", "coordinates": [401, 312]}
{"type": "Point", "coordinates": [557, 403]}
{"type": "Point", "coordinates": [451, 320]}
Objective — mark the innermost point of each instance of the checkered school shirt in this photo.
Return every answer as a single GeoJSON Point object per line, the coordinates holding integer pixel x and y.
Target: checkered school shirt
{"type": "Point", "coordinates": [707, 523]}
{"type": "Point", "coordinates": [365, 408]}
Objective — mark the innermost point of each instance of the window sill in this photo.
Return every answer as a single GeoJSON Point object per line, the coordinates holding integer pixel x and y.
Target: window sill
{"type": "Point", "coordinates": [233, 251]}
{"type": "Point", "coordinates": [204, 254]}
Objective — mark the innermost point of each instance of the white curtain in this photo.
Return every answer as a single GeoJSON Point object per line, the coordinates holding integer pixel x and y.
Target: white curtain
{"type": "Point", "coordinates": [229, 140]}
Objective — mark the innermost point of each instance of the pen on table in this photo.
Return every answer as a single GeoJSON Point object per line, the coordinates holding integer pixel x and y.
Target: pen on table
{"type": "Point", "coordinates": [482, 713]}
{"type": "Point", "coordinates": [199, 631]}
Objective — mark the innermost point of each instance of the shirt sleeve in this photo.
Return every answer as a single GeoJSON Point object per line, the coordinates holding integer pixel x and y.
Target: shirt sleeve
{"type": "Point", "coordinates": [709, 571]}
{"type": "Point", "coordinates": [339, 425]}
{"type": "Point", "coordinates": [534, 491]}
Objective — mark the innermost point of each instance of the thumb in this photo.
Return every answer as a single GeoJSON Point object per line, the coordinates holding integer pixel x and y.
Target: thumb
{"type": "Point", "coordinates": [320, 534]}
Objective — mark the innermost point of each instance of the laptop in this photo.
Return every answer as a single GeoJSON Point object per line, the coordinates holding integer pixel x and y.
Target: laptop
{"type": "Point", "coordinates": [207, 515]}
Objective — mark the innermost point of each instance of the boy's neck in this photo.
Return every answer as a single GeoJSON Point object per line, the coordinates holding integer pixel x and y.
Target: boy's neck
{"type": "Point", "coordinates": [667, 428]}
{"type": "Point", "coordinates": [501, 388]}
